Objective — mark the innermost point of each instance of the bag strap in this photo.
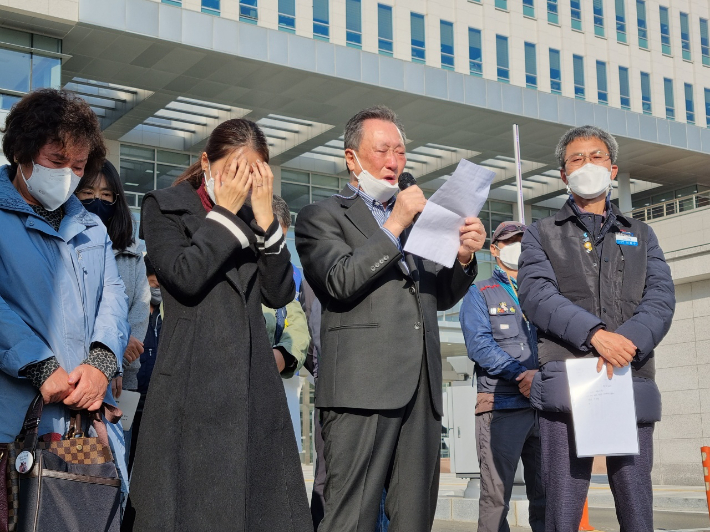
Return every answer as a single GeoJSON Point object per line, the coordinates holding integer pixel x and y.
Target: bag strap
{"type": "Point", "coordinates": [31, 425]}
{"type": "Point", "coordinates": [281, 314]}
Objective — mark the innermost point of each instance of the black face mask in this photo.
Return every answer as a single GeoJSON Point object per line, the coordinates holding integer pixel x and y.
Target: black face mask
{"type": "Point", "coordinates": [101, 208]}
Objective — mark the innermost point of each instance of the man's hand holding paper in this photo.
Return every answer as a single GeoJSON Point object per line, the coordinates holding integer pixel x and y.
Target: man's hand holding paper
{"type": "Point", "coordinates": [614, 349]}
{"type": "Point", "coordinates": [472, 237]}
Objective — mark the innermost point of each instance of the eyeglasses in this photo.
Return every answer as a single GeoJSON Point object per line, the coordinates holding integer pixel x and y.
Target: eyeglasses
{"type": "Point", "coordinates": [596, 157]}
{"type": "Point", "coordinates": [88, 197]}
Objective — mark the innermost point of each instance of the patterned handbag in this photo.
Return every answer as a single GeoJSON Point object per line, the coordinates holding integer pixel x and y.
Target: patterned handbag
{"type": "Point", "coordinates": [74, 448]}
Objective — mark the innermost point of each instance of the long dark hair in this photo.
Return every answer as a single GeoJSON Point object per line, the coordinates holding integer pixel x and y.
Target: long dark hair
{"type": "Point", "coordinates": [120, 227]}
{"type": "Point", "coordinates": [227, 137]}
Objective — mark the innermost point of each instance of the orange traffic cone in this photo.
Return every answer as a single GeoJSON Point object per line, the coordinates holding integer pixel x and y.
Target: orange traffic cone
{"type": "Point", "coordinates": [584, 524]}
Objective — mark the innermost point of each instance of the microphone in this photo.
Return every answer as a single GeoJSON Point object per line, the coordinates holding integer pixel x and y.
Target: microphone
{"type": "Point", "coordinates": [406, 180]}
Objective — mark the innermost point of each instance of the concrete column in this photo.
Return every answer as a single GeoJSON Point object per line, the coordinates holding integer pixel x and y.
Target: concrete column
{"type": "Point", "coordinates": [624, 189]}
{"type": "Point", "coordinates": [113, 152]}
{"type": "Point", "coordinates": [277, 179]}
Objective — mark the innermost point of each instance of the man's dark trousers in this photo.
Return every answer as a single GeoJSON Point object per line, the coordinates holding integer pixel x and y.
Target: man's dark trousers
{"type": "Point", "coordinates": [504, 437]}
{"type": "Point", "coordinates": [567, 477]}
{"type": "Point", "coordinates": [368, 450]}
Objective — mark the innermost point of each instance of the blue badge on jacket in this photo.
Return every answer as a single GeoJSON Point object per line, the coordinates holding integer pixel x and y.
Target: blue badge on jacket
{"type": "Point", "coordinates": [626, 239]}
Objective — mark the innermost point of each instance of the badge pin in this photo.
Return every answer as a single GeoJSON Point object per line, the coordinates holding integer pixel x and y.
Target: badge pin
{"type": "Point", "coordinates": [588, 246]}
{"type": "Point", "coordinates": [512, 310]}
{"type": "Point", "coordinates": [24, 462]}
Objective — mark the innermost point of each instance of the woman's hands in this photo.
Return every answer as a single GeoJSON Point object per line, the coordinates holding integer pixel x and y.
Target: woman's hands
{"type": "Point", "coordinates": [238, 178]}
{"type": "Point", "coordinates": [262, 194]}
{"type": "Point", "coordinates": [232, 185]}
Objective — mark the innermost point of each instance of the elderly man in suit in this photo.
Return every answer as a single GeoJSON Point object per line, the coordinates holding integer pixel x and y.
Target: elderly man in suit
{"type": "Point", "coordinates": [379, 380]}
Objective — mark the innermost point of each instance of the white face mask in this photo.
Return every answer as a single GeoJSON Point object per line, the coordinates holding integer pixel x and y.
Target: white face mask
{"type": "Point", "coordinates": [379, 189]}
{"type": "Point", "coordinates": [510, 254]}
{"type": "Point", "coordinates": [51, 186]}
{"type": "Point", "coordinates": [209, 183]}
{"type": "Point", "coordinates": [590, 181]}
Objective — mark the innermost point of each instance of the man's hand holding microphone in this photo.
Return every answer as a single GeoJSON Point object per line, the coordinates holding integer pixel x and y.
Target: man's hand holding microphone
{"type": "Point", "coordinates": [411, 201]}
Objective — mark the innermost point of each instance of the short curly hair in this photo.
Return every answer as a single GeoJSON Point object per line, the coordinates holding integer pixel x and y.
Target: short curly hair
{"type": "Point", "coordinates": [51, 115]}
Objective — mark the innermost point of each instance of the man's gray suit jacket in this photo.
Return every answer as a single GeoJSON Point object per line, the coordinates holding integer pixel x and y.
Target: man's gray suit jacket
{"type": "Point", "coordinates": [377, 318]}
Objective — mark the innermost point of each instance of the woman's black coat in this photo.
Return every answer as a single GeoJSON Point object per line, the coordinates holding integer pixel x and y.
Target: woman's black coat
{"type": "Point", "coordinates": [216, 451]}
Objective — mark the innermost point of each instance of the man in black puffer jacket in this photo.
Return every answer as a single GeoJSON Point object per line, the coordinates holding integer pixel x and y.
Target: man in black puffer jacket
{"type": "Point", "coordinates": [596, 284]}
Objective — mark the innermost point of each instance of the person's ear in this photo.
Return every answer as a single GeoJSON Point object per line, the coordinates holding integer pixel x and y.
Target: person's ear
{"type": "Point", "coordinates": [563, 175]}
{"type": "Point", "coordinates": [494, 250]}
{"type": "Point", "coordinates": [350, 161]}
{"type": "Point", "coordinates": [204, 162]}
{"type": "Point", "coordinates": [614, 171]}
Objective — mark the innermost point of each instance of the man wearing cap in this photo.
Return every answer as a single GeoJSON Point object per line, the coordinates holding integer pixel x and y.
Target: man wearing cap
{"type": "Point", "coordinates": [503, 344]}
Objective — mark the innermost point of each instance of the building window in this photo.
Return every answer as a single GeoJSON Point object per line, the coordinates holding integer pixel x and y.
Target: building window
{"type": "Point", "coordinates": [529, 8]}
{"type": "Point", "coordinates": [446, 30]}
{"type": "Point", "coordinates": [475, 52]}
{"type": "Point", "coordinates": [707, 108]}
{"type": "Point", "coordinates": [530, 66]}
{"type": "Point", "coordinates": [602, 90]}
{"type": "Point", "coordinates": [576, 8]}
{"type": "Point", "coordinates": [646, 93]}
{"type": "Point", "coordinates": [143, 169]}
{"type": "Point", "coordinates": [30, 69]}
{"type": "Point", "coordinates": [384, 29]}
{"type": "Point", "coordinates": [598, 18]}
{"type": "Point", "coordinates": [353, 23]}
{"type": "Point", "coordinates": [624, 89]}
{"type": "Point", "coordinates": [552, 12]}
{"type": "Point", "coordinates": [555, 72]}
{"type": "Point", "coordinates": [321, 20]}
{"type": "Point", "coordinates": [670, 103]}
{"type": "Point", "coordinates": [502, 58]}
{"type": "Point", "coordinates": [641, 21]}
{"type": "Point", "coordinates": [418, 38]}
{"type": "Point", "coordinates": [248, 11]}
{"type": "Point", "coordinates": [665, 31]}
{"type": "Point", "coordinates": [620, 21]}
{"type": "Point", "coordinates": [287, 15]}
{"type": "Point", "coordinates": [685, 35]}
{"type": "Point", "coordinates": [578, 70]}
{"type": "Point", "coordinates": [704, 41]}
{"type": "Point", "coordinates": [689, 104]}
{"type": "Point", "coordinates": [211, 7]}
{"type": "Point", "coordinates": [502, 4]}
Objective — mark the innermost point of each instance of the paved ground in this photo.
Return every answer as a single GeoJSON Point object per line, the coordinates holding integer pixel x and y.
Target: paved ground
{"type": "Point", "coordinates": [604, 519]}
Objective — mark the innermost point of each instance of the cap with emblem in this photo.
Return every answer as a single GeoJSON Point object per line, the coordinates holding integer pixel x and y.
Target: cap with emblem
{"type": "Point", "coordinates": [506, 230]}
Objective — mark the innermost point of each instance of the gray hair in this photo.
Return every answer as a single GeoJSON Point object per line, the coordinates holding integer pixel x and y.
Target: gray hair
{"type": "Point", "coordinates": [586, 132]}
{"type": "Point", "coordinates": [353, 129]}
{"type": "Point", "coordinates": [281, 211]}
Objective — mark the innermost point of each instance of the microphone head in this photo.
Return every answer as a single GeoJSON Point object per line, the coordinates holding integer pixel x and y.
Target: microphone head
{"type": "Point", "coordinates": [406, 180]}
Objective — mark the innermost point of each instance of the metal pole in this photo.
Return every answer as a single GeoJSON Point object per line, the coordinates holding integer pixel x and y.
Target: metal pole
{"type": "Point", "coordinates": [518, 173]}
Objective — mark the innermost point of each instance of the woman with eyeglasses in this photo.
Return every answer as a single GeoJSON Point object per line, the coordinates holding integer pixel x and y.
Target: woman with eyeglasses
{"type": "Point", "coordinates": [102, 194]}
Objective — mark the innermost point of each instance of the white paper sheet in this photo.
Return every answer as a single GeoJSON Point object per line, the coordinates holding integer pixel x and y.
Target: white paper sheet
{"type": "Point", "coordinates": [603, 409]}
{"type": "Point", "coordinates": [435, 235]}
{"type": "Point", "coordinates": [128, 403]}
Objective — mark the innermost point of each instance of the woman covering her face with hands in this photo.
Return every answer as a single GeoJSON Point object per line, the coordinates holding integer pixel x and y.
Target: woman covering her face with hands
{"type": "Point", "coordinates": [216, 449]}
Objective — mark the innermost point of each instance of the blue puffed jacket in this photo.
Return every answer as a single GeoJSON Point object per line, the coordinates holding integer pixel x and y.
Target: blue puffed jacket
{"type": "Point", "coordinates": [59, 292]}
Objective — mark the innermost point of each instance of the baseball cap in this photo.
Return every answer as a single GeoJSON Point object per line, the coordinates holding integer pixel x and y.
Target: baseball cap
{"type": "Point", "coordinates": [506, 230]}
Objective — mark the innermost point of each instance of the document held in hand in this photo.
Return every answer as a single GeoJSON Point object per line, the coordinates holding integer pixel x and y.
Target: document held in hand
{"type": "Point", "coordinates": [128, 403]}
{"type": "Point", "coordinates": [435, 235]}
{"type": "Point", "coordinates": [603, 409]}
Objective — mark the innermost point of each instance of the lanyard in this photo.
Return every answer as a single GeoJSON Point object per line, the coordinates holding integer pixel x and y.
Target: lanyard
{"type": "Point", "coordinates": [512, 285]}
